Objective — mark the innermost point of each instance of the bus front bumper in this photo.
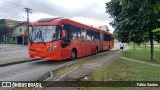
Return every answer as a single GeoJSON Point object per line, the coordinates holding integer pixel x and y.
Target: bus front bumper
{"type": "Point", "coordinates": [45, 56]}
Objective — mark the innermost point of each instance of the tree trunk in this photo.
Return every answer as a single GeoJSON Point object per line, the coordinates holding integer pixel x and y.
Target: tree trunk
{"type": "Point", "coordinates": [134, 46]}
{"type": "Point", "coordinates": [152, 47]}
{"type": "Point", "coordinates": [145, 45]}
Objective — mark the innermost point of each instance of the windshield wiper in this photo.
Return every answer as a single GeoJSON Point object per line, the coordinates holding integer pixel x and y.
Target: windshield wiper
{"type": "Point", "coordinates": [35, 37]}
{"type": "Point", "coordinates": [42, 38]}
{"type": "Point", "coordinates": [40, 34]}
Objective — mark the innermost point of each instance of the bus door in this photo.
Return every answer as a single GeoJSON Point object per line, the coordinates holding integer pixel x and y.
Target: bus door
{"type": "Point", "coordinates": [83, 42]}
{"type": "Point", "coordinates": [65, 43]}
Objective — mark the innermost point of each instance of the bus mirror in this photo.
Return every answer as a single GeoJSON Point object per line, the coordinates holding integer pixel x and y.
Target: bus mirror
{"type": "Point", "coordinates": [63, 33]}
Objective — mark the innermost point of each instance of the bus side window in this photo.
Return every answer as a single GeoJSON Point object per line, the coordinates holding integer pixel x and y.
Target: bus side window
{"type": "Point", "coordinates": [109, 37]}
{"type": "Point", "coordinates": [97, 36]}
{"type": "Point", "coordinates": [89, 35]}
{"type": "Point", "coordinates": [66, 28]}
{"type": "Point", "coordinates": [73, 32]}
{"type": "Point", "coordinates": [83, 34]}
{"type": "Point", "coordinates": [58, 28]}
{"type": "Point", "coordinates": [78, 33]}
{"type": "Point", "coordinates": [105, 37]}
{"type": "Point", "coordinates": [92, 35]}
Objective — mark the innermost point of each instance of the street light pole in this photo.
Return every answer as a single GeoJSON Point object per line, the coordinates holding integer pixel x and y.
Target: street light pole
{"type": "Point", "coordinates": [27, 10]}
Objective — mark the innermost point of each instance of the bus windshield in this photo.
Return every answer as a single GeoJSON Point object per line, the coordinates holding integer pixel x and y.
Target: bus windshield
{"type": "Point", "coordinates": [44, 33]}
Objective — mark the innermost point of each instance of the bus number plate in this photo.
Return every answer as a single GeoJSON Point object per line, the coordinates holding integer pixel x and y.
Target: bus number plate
{"type": "Point", "coordinates": [37, 57]}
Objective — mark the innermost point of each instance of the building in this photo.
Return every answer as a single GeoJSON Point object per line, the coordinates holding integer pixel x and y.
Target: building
{"type": "Point", "coordinates": [104, 28]}
{"type": "Point", "coordinates": [6, 29]}
{"type": "Point", "coordinates": [18, 36]}
{"type": "Point", "coordinates": [10, 23]}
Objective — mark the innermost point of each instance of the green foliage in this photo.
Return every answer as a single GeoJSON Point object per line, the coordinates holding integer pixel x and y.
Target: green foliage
{"type": "Point", "coordinates": [155, 4]}
{"type": "Point", "coordinates": [3, 29]}
{"type": "Point", "coordinates": [133, 19]}
{"type": "Point", "coordinates": [157, 37]}
{"type": "Point", "coordinates": [156, 30]}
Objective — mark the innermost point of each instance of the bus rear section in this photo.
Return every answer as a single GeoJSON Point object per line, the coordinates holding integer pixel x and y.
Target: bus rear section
{"type": "Point", "coordinates": [106, 41]}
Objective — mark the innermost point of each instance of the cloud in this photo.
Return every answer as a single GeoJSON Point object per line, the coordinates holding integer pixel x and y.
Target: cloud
{"type": "Point", "coordinates": [89, 11]}
{"type": "Point", "coordinates": [74, 8]}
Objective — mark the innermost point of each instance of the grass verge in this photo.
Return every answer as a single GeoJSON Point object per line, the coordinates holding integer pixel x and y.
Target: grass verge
{"type": "Point", "coordinates": [141, 54]}
{"type": "Point", "coordinates": [121, 70]}
{"type": "Point", "coordinates": [81, 61]}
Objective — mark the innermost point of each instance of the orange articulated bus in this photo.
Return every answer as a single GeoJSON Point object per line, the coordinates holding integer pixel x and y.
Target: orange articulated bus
{"type": "Point", "coordinates": [60, 39]}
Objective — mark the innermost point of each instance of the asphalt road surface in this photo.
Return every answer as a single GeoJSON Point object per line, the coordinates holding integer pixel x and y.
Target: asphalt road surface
{"type": "Point", "coordinates": [13, 53]}
{"type": "Point", "coordinates": [29, 71]}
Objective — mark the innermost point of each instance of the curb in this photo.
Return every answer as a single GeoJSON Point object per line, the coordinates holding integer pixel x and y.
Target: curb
{"type": "Point", "coordinates": [17, 62]}
{"type": "Point", "coordinates": [65, 75]}
{"type": "Point", "coordinates": [84, 66]}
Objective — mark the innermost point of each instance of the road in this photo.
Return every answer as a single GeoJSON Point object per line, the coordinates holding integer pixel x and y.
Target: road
{"type": "Point", "coordinates": [13, 53]}
{"type": "Point", "coordinates": [29, 71]}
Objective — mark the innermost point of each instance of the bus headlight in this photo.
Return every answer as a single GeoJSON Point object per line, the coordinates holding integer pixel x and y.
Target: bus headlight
{"type": "Point", "coordinates": [52, 48]}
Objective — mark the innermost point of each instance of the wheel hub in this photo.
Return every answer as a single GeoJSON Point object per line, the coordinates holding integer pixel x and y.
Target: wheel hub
{"type": "Point", "coordinates": [73, 54]}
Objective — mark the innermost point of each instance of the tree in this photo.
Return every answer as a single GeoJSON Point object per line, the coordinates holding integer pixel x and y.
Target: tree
{"type": "Point", "coordinates": [134, 19]}
{"type": "Point", "coordinates": [4, 30]}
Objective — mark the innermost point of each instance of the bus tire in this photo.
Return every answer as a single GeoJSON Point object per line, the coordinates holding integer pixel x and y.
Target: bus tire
{"type": "Point", "coordinates": [96, 50]}
{"type": "Point", "coordinates": [73, 54]}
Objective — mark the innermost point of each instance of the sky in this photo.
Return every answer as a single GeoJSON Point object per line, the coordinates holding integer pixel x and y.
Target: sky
{"type": "Point", "coordinates": [90, 12]}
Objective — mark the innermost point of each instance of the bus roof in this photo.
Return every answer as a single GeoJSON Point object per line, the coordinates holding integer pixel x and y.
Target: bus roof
{"type": "Point", "coordinates": [46, 21]}
{"type": "Point", "coordinates": [60, 21]}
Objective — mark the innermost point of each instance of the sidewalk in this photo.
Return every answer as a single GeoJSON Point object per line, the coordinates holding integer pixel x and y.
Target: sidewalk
{"type": "Point", "coordinates": [87, 69]}
{"type": "Point", "coordinates": [11, 53]}
{"type": "Point", "coordinates": [84, 71]}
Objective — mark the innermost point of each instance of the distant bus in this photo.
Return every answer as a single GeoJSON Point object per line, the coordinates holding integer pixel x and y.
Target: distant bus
{"type": "Point", "coordinates": [60, 39]}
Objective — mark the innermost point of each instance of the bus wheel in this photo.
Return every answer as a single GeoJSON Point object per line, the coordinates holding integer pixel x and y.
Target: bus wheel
{"type": "Point", "coordinates": [73, 54]}
{"type": "Point", "coordinates": [96, 50]}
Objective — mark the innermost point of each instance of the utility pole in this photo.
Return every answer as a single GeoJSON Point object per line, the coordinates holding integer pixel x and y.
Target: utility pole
{"type": "Point", "coordinates": [27, 10]}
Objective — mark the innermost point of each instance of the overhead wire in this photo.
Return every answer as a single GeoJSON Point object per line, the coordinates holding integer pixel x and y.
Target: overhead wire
{"type": "Point", "coordinates": [36, 11]}
{"type": "Point", "coordinates": [14, 3]}
{"type": "Point", "coordinates": [18, 6]}
{"type": "Point", "coordinates": [10, 5]}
